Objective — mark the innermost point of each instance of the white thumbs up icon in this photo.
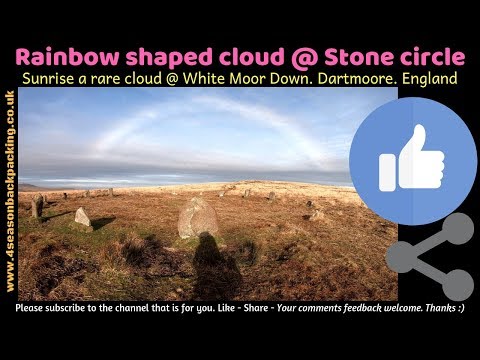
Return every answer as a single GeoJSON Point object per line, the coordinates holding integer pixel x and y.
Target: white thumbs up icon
{"type": "Point", "coordinates": [417, 169]}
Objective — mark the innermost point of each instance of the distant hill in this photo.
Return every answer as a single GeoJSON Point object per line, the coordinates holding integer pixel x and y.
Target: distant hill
{"type": "Point", "coordinates": [33, 188]}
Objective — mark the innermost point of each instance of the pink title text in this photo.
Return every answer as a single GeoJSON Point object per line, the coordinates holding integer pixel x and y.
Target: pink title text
{"type": "Point", "coordinates": [301, 59]}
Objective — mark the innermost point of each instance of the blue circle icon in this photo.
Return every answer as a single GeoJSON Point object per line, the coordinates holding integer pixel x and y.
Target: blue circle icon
{"type": "Point", "coordinates": [413, 161]}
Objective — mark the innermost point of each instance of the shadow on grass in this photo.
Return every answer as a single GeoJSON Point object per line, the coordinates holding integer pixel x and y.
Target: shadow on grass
{"type": "Point", "coordinates": [218, 277]}
{"type": "Point", "coordinates": [46, 218]}
{"type": "Point", "coordinates": [99, 223]}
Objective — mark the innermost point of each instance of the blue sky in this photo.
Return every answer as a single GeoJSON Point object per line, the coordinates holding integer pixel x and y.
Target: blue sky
{"type": "Point", "coordinates": [98, 137]}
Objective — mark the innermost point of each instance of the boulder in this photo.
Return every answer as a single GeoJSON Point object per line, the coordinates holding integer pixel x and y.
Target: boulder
{"type": "Point", "coordinates": [271, 196]}
{"type": "Point", "coordinates": [37, 206]}
{"type": "Point", "coordinates": [197, 216]}
{"type": "Point", "coordinates": [81, 217]}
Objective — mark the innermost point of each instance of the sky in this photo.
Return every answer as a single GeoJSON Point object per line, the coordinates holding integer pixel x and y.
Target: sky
{"type": "Point", "coordinates": [121, 137]}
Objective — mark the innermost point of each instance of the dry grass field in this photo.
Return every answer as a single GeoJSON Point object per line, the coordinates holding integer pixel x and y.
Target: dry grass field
{"type": "Point", "coordinates": [266, 250]}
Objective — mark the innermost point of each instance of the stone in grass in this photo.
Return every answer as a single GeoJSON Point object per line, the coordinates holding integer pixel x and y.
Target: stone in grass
{"type": "Point", "coordinates": [110, 192]}
{"type": "Point", "coordinates": [247, 193]}
{"type": "Point", "coordinates": [271, 196]}
{"type": "Point", "coordinates": [82, 221]}
{"type": "Point", "coordinates": [197, 216]}
{"type": "Point", "coordinates": [221, 194]}
{"type": "Point", "coordinates": [37, 206]}
{"type": "Point", "coordinates": [81, 217]}
{"type": "Point", "coordinates": [310, 203]}
{"type": "Point", "coordinates": [317, 215]}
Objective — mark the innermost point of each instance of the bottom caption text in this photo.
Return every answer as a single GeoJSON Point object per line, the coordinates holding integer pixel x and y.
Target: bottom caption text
{"type": "Point", "coordinates": [183, 308]}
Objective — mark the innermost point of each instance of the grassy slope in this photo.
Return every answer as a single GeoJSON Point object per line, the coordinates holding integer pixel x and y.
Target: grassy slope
{"type": "Point", "coordinates": [266, 250]}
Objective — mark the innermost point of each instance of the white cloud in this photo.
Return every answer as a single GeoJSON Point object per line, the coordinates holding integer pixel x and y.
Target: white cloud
{"type": "Point", "coordinates": [207, 130]}
{"type": "Point", "coordinates": [89, 181]}
{"type": "Point", "coordinates": [319, 157]}
{"type": "Point", "coordinates": [127, 141]}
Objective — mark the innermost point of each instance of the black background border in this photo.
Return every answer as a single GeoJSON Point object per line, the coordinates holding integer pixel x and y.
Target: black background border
{"type": "Point", "coordinates": [413, 287]}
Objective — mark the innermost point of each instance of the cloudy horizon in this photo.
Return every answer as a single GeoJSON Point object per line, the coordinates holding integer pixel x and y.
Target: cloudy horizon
{"type": "Point", "coordinates": [121, 137]}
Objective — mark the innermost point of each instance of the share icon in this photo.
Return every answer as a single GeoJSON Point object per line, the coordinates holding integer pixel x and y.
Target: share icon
{"type": "Point", "coordinates": [457, 229]}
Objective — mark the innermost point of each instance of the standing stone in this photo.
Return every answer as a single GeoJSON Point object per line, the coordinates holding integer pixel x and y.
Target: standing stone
{"type": "Point", "coordinates": [247, 193]}
{"type": "Point", "coordinates": [64, 196]}
{"type": "Point", "coordinates": [81, 217]}
{"type": "Point", "coordinates": [271, 196]}
{"type": "Point", "coordinates": [45, 199]}
{"type": "Point", "coordinates": [309, 203]}
{"type": "Point", "coordinates": [87, 194]}
{"type": "Point", "coordinates": [221, 194]}
{"type": "Point", "coordinates": [197, 216]}
{"type": "Point", "coordinates": [37, 206]}
{"type": "Point", "coordinates": [110, 192]}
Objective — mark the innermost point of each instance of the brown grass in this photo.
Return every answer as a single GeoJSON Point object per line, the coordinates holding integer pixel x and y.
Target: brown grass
{"type": "Point", "coordinates": [265, 251]}
{"type": "Point", "coordinates": [134, 251]}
